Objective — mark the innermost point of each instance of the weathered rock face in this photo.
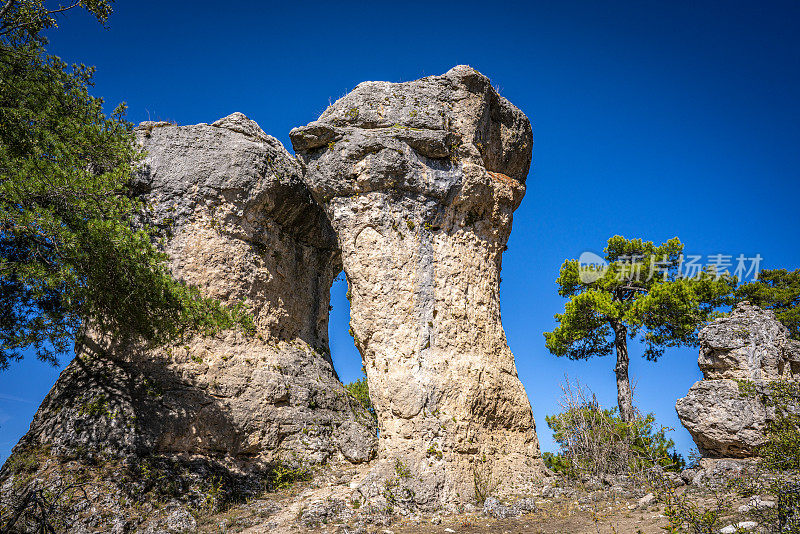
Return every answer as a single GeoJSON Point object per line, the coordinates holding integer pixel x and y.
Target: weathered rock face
{"type": "Point", "coordinates": [749, 345]}
{"type": "Point", "coordinates": [420, 181]}
{"type": "Point", "coordinates": [242, 227]}
{"type": "Point", "coordinates": [722, 420]}
{"type": "Point", "coordinates": [246, 229]}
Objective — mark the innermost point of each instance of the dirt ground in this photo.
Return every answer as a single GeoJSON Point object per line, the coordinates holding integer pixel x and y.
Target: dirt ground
{"type": "Point", "coordinates": [568, 522]}
{"type": "Point", "coordinates": [576, 513]}
{"type": "Point", "coordinates": [555, 521]}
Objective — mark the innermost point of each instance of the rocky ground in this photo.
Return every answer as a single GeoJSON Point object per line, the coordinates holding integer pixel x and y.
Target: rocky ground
{"type": "Point", "coordinates": [172, 500]}
{"type": "Point", "coordinates": [328, 503]}
{"type": "Point", "coordinates": [557, 506]}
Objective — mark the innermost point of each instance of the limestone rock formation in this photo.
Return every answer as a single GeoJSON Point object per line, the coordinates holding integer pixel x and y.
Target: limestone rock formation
{"type": "Point", "coordinates": [420, 180]}
{"type": "Point", "coordinates": [749, 345]}
{"type": "Point", "coordinates": [241, 225]}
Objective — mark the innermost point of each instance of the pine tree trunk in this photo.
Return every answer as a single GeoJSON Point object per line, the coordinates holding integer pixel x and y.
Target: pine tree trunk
{"type": "Point", "coordinates": [624, 396]}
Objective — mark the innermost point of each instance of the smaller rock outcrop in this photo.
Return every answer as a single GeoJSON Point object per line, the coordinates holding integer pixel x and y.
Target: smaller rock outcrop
{"type": "Point", "coordinates": [751, 344]}
{"type": "Point", "coordinates": [744, 351]}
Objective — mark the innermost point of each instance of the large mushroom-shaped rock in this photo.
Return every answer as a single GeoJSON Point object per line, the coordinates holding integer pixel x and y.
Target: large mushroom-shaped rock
{"type": "Point", "coordinates": [420, 180]}
{"type": "Point", "coordinates": [728, 412]}
{"type": "Point", "coordinates": [241, 226]}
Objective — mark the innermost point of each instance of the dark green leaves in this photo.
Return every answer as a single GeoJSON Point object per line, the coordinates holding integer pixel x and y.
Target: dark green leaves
{"type": "Point", "coordinates": [22, 21]}
{"type": "Point", "coordinates": [583, 329]}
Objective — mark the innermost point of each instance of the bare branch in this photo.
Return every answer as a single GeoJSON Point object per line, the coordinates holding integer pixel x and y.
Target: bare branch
{"type": "Point", "coordinates": [62, 9]}
{"type": "Point", "coordinates": [5, 8]}
{"type": "Point", "coordinates": [8, 29]}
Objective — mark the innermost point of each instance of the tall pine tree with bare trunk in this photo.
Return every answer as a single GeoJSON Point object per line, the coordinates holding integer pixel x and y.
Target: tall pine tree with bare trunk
{"type": "Point", "coordinates": [636, 290]}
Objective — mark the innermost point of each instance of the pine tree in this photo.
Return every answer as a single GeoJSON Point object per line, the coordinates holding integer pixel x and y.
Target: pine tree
{"type": "Point", "coordinates": [637, 291]}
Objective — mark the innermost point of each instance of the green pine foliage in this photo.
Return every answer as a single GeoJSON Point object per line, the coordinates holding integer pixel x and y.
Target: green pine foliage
{"type": "Point", "coordinates": [641, 294]}
{"type": "Point", "coordinates": [777, 290]}
{"type": "Point", "coordinates": [359, 390]}
{"type": "Point", "coordinates": [71, 250]}
{"type": "Point", "coordinates": [665, 311]}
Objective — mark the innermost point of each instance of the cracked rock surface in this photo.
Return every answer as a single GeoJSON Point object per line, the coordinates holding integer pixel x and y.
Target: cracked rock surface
{"type": "Point", "coordinates": [420, 181]}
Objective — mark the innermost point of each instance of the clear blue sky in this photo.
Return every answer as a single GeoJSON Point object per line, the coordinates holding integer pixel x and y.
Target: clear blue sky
{"type": "Point", "coordinates": [651, 119]}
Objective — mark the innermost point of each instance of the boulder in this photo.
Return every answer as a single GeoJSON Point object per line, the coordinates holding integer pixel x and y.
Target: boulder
{"type": "Point", "coordinates": [740, 355]}
{"type": "Point", "coordinates": [722, 420]}
{"type": "Point", "coordinates": [420, 181]}
{"type": "Point", "coordinates": [738, 527]}
{"type": "Point", "coordinates": [749, 344]}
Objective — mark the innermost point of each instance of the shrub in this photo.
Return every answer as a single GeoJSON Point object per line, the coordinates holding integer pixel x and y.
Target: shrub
{"type": "Point", "coordinates": [359, 390]}
{"type": "Point", "coordinates": [483, 481]}
{"type": "Point", "coordinates": [281, 476]}
{"type": "Point", "coordinates": [781, 452]}
{"type": "Point", "coordinates": [596, 441]}
{"type": "Point", "coordinates": [776, 474]}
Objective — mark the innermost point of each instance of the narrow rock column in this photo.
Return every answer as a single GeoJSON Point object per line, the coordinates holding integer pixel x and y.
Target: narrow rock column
{"type": "Point", "coordinates": [420, 180]}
